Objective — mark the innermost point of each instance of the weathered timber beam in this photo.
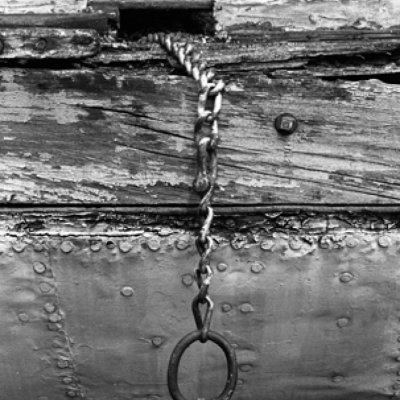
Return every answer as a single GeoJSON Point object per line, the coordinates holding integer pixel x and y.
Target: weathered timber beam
{"type": "Point", "coordinates": [319, 53]}
{"type": "Point", "coordinates": [47, 43]}
{"type": "Point", "coordinates": [113, 137]}
{"type": "Point", "coordinates": [98, 22]}
{"type": "Point", "coordinates": [154, 4]}
{"type": "Point", "coordinates": [297, 15]}
{"type": "Point", "coordinates": [42, 6]}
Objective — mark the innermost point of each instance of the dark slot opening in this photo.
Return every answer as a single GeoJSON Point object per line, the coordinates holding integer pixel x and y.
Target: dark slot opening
{"type": "Point", "coordinates": [137, 23]}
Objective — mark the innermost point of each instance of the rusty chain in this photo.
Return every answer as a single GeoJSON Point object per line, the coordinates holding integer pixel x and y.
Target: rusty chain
{"type": "Point", "coordinates": [204, 184]}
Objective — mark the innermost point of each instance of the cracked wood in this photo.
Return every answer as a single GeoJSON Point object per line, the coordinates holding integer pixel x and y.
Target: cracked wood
{"type": "Point", "coordinates": [115, 137]}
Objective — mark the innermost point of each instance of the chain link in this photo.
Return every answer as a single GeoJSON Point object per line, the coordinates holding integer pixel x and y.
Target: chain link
{"type": "Point", "coordinates": [204, 184]}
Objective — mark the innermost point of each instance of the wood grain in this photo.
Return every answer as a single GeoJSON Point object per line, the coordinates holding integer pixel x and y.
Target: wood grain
{"type": "Point", "coordinates": [41, 6]}
{"type": "Point", "coordinates": [48, 43]}
{"type": "Point", "coordinates": [114, 137]}
{"type": "Point", "coordinates": [316, 53]}
{"type": "Point", "coordinates": [307, 14]}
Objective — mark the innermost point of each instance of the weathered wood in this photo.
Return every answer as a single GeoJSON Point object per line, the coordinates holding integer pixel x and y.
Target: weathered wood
{"type": "Point", "coordinates": [41, 6]}
{"type": "Point", "coordinates": [93, 305]}
{"type": "Point", "coordinates": [318, 53]}
{"type": "Point", "coordinates": [113, 137]}
{"type": "Point", "coordinates": [47, 43]}
{"type": "Point", "coordinates": [307, 14]}
{"type": "Point", "coordinates": [97, 22]}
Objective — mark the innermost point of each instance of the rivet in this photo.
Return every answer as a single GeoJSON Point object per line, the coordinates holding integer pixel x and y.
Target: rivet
{"type": "Point", "coordinates": [23, 317]}
{"type": "Point", "coordinates": [324, 242]}
{"type": "Point", "coordinates": [95, 245]}
{"type": "Point", "coordinates": [125, 246]}
{"type": "Point", "coordinates": [245, 367]}
{"type": "Point", "coordinates": [267, 245]}
{"type": "Point", "coordinates": [246, 308]}
{"type": "Point", "coordinates": [54, 317]}
{"type": "Point", "coordinates": [49, 308]}
{"type": "Point", "coordinates": [40, 45]}
{"type": "Point", "coordinates": [157, 341]}
{"type": "Point", "coordinates": [384, 241]}
{"type": "Point", "coordinates": [257, 267]}
{"type": "Point", "coordinates": [240, 382]}
{"type": "Point", "coordinates": [67, 246]}
{"type": "Point", "coordinates": [18, 247]}
{"type": "Point", "coordinates": [351, 242]}
{"type": "Point", "coordinates": [237, 244]}
{"type": "Point", "coordinates": [153, 244]}
{"type": "Point", "coordinates": [337, 378]}
{"type": "Point", "coordinates": [182, 244]}
{"type": "Point", "coordinates": [346, 277]}
{"type": "Point", "coordinates": [62, 364]}
{"type": "Point", "coordinates": [226, 307]}
{"type": "Point", "coordinates": [295, 244]}
{"type": "Point", "coordinates": [187, 279]}
{"type": "Point", "coordinates": [57, 344]}
{"type": "Point", "coordinates": [221, 267]}
{"type": "Point", "coordinates": [342, 322]}
{"type": "Point", "coordinates": [71, 393]}
{"type": "Point", "coordinates": [45, 287]}
{"type": "Point", "coordinates": [54, 327]}
{"type": "Point", "coordinates": [67, 380]}
{"type": "Point", "coordinates": [127, 291]}
{"type": "Point", "coordinates": [39, 267]}
{"type": "Point", "coordinates": [38, 247]}
{"type": "Point", "coordinates": [286, 123]}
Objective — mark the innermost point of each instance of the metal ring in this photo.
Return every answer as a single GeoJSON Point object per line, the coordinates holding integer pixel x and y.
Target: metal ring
{"type": "Point", "coordinates": [180, 348]}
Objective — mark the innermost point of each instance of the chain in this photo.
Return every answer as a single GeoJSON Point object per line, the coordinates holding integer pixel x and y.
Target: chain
{"type": "Point", "coordinates": [204, 184]}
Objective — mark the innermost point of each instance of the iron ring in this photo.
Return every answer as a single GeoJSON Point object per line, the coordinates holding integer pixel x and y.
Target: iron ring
{"type": "Point", "coordinates": [180, 348]}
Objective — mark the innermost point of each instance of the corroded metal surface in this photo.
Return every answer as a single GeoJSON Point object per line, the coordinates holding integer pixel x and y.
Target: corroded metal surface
{"type": "Point", "coordinates": [93, 310]}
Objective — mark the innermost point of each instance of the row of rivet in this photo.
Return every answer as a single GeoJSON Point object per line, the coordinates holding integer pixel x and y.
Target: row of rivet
{"type": "Point", "coordinates": [55, 324]}
{"type": "Point", "coordinates": [154, 244]}
{"type": "Point", "coordinates": [40, 45]}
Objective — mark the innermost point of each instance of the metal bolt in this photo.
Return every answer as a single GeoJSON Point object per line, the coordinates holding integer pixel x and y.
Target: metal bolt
{"type": "Point", "coordinates": [63, 364]}
{"type": "Point", "coordinates": [40, 45]}
{"type": "Point", "coordinates": [54, 327]}
{"type": "Point", "coordinates": [240, 382]}
{"type": "Point", "coordinates": [342, 322]}
{"type": "Point", "coordinates": [221, 267]}
{"type": "Point", "coordinates": [286, 123]}
{"type": "Point", "coordinates": [246, 308]}
{"type": "Point", "coordinates": [267, 245]}
{"type": "Point", "coordinates": [127, 291]}
{"type": "Point", "coordinates": [295, 244]}
{"type": "Point", "coordinates": [157, 341]}
{"type": "Point", "coordinates": [39, 267]}
{"type": "Point", "coordinates": [187, 279]}
{"type": "Point", "coordinates": [346, 277]}
{"type": "Point", "coordinates": [153, 244]}
{"type": "Point", "coordinates": [67, 246]}
{"type": "Point", "coordinates": [71, 393]}
{"type": "Point", "coordinates": [257, 267]}
{"type": "Point", "coordinates": [125, 246]}
{"type": "Point", "coordinates": [67, 380]}
{"type": "Point", "coordinates": [110, 244]}
{"type": "Point", "coordinates": [49, 308]}
{"type": "Point", "coordinates": [384, 241]}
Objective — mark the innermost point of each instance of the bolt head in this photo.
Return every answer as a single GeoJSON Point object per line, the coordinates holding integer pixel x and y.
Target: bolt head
{"type": "Point", "coordinates": [286, 123]}
{"type": "Point", "coordinates": [40, 45]}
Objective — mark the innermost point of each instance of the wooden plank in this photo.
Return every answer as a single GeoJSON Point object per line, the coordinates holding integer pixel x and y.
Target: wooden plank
{"type": "Point", "coordinates": [317, 53]}
{"type": "Point", "coordinates": [42, 6]}
{"type": "Point", "coordinates": [47, 43]}
{"type": "Point", "coordinates": [97, 22]}
{"type": "Point", "coordinates": [114, 137]}
{"type": "Point", "coordinates": [309, 312]}
{"type": "Point", "coordinates": [297, 15]}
